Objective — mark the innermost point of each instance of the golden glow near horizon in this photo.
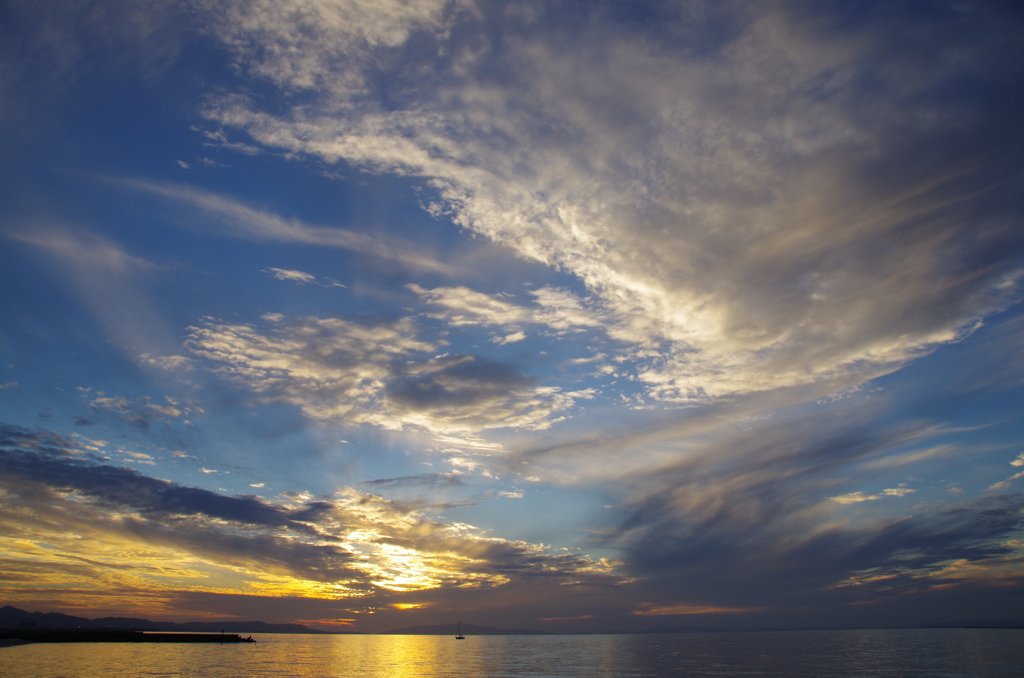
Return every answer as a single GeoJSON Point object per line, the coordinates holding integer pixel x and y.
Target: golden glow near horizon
{"type": "Point", "coordinates": [356, 546]}
{"type": "Point", "coordinates": [49, 569]}
{"type": "Point", "coordinates": [76, 549]}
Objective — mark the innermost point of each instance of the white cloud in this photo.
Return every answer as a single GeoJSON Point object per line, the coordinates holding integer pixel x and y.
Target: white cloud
{"type": "Point", "coordinates": [856, 497]}
{"type": "Point", "coordinates": [137, 455]}
{"type": "Point", "coordinates": [295, 276]}
{"type": "Point", "coordinates": [1005, 484]}
{"type": "Point", "coordinates": [558, 309]}
{"type": "Point", "coordinates": [169, 363]}
{"type": "Point", "coordinates": [302, 278]}
{"type": "Point", "coordinates": [897, 491]}
{"type": "Point", "coordinates": [320, 44]}
{"type": "Point", "coordinates": [509, 338]}
{"type": "Point", "coordinates": [95, 444]}
{"type": "Point", "coordinates": [331, 368]}
{"type": "Point", "coordinates": [726, 214]}
{"type": "Point", "coordinates": [341, 371]}
{"type": "Point", "coordinates": [165, 410]}
{"type": "Point", "coordinates": [463, 306]}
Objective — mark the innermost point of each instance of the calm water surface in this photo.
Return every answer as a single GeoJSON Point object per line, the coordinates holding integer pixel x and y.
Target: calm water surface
{"type": "Point", "coordinates": [949, 653]}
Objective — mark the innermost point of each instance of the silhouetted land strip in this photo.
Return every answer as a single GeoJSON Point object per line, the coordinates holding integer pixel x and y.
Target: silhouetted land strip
{"type": "Point", "coordinates": [12, 617]}
{"type": "Point", "coordinates": [117, 636]}
{"type": "Point", "coordinates": [15, 623]}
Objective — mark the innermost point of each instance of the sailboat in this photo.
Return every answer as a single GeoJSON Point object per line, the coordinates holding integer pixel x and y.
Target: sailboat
{"type": "Point", "coordinates": [458, 632]}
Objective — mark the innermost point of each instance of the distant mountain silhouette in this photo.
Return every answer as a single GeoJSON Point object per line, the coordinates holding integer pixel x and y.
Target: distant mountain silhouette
{"type": "Point", "coordinates": [686, 629]}
{"type": "Point", "coordinates": [12, 617]}
{"type": "Point", "coordinates": [978, 624]}
{"type": "Point", "coordinates": [467, 630]}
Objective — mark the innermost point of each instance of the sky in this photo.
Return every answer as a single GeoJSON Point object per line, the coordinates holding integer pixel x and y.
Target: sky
{"type": "Point", "coordinates": [573, 316]}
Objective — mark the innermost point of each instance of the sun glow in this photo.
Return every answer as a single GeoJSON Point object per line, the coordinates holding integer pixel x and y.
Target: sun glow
{"type": "Point", "coordinates": [75, 550]}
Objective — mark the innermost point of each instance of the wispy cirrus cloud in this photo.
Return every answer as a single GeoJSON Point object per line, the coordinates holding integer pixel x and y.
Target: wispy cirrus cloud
{"type": "Point", "coordinates": [109, 281]}
{"type": "Point", "coordinates": [241, 220]}
{"type": "Point", "coordinates": [422, 480]}
{"type": "Point", "coordinates": [88, 252]}
{"type": "Point", "coordinates": [736, 215]}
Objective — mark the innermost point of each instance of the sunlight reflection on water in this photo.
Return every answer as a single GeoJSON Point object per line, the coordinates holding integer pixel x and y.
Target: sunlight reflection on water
{"type": "Point", "coordinates": [946, 653]}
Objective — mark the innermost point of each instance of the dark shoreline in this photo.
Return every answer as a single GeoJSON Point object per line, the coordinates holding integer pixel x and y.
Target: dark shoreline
{"type": "Point", "coordinates": [117, 636]}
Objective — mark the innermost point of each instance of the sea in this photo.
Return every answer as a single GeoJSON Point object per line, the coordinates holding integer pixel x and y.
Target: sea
{"type": "Point", "coordinates": [949, 653]}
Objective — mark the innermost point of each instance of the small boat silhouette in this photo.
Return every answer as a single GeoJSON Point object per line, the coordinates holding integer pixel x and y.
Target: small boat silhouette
{"type": "Point", "coordinates": [458, 632]}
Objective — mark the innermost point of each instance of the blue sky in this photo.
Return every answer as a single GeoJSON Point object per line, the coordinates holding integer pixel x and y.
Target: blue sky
{"type": "Point", "coordinates": [576, 316]}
